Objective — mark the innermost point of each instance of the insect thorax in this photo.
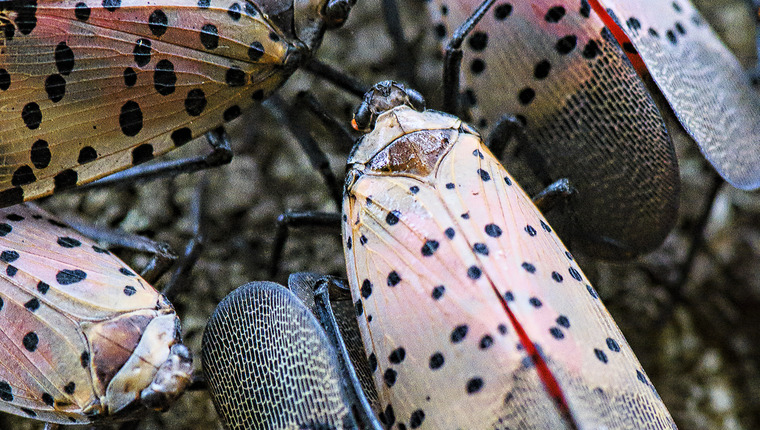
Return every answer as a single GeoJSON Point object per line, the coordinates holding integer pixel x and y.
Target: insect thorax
{"type": "Point", "coordinates": [408, 142]}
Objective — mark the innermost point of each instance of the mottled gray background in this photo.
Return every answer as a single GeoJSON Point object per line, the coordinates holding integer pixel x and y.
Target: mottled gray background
{"type": "Point", "coordinates": [702, 355]}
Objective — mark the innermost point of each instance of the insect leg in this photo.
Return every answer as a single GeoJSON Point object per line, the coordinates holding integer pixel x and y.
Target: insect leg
{"type": "Point", "coordinates": [510, 127]}
{"type": "Point", "coordinates": [337, 77]}
{"type": "Point", "coordinates": [674, 278]}
{"type": "Point", "coordinates": [290, 220]}
{"type": "Point", "coordinates": [220, 154]}
{"type": "Point", "coordinates": [404, 58]}
{"type": "Point", "coordinates": [452, 60]}
{"type": "Point", "coordinates": [324, 291]}
{"type": "Point", "coordinates": [288, 116]}
{"type": "Point", "coordinates": [194, 247]}
{"type": "Point", "coordinates": [506, 128]}
{"type": "Point", "coordinates": [186, 262]}
{"type": "Point", "coordinates": [333, 125]}
{"type": "Point", "coordinates": [163, 256]}
{"type": "Point", "coordinates": [697, 235]}
{"type": "Point", "coordinates": [557, 192]}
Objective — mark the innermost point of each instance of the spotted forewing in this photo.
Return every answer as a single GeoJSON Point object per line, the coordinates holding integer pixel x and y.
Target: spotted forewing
{"type": "Point", "coordinates": [472, 312]}
{"type": "Point", "coordinates": [515, 50]}
{"type": "Point", "coordinates": [588, 117]}
{"type": "Point", "coordinates": [89, 87]}
{"type": "Point", "coordinates": [71, 316]}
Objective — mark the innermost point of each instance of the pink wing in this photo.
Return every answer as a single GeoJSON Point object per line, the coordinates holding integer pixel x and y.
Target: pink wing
{"type": "Point", "coordinates": [53, 281]}
{"type": "Point", "coordinates": [459, 281]}
{"type": "Point", "coordinates": [78, 275]}
{"type": "Point", "coordinates": [43, 370]}
{"type": "Point", "coordinates": [588, 116]}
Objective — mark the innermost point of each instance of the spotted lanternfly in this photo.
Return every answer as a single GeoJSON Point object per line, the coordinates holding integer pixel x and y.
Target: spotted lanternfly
{"type": "Point", "coordinates": [472, 311]}
{"type": "Point", "coordinates": [588, 117]}
{"type": "Point", "coordinates": [84, 339]}
{"type": "Point", "coordinates": [88, 87]}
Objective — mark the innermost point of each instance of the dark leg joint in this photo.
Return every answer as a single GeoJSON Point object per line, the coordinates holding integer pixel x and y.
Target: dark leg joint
{"type": "Point", "coordinates": [221, 154]}
{"type": "Point", "coordinates": [157, 266]}
{"type": "Point", "coordinates": [507, 128]}
{"type": "Point", "coordinates": [290, 220]}
{"type": "Point", "coordinates": [558, 192]}
{"type": "Point", "coordinates": [198, 383]}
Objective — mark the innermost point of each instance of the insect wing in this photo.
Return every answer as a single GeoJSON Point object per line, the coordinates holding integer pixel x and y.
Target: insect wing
{"type": "Point", "coordinates": [53, 282]}
{"type": "Point", "coordinates": [701, 79]}
{"type": "Point", "coordinates": [547, 294]}
{"type": "Point", "coordinates": [269, 363]}
{"type": "Point", "coordinates": [90, 89]}
{"type": "Point", "coordinates": [458, 279]}
{"type": "Point", "coordinates": [418, 370]}
{"type": "Point", "coordinates": [42, 363]}
{"type": "Point", "coordinates": [329, 300]}
{"type": "Point", "coordinates": [588, 115]}
{"type": "Point", "coordinates": [77, 275]}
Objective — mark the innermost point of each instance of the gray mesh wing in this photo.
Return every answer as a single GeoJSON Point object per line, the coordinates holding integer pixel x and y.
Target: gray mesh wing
{"type": "Point", "coordinates": [339, 320]}
{"type": "Point", "coordinates": [269, 364]}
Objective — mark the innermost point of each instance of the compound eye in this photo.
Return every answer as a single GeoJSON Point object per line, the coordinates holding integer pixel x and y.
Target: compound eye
{"type": "Point", "coordinates": [362, 118]}
{"type": "Point", "coordinates": [336, 12]}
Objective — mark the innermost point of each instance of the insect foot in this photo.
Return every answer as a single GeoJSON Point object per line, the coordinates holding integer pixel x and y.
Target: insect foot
{"type": "Point", "coordinates": [170, 381]}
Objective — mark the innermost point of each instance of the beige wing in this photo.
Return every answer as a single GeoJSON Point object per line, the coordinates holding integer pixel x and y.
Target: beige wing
{"type": "Point", "coordinates": [545, 292]}
{"type": "Point", "coordinates": [87, 90]}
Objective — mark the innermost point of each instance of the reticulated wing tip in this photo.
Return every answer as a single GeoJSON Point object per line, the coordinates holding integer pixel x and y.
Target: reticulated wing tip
{"type": "Point", "coordinates": [269, 364]}
{"type": "Point", "coordinates": [709, 92]}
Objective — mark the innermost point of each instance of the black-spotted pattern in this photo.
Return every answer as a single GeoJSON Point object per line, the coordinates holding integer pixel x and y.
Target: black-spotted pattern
{"type": "Point", "coordinates": [60, 295]}
{"type": "Point", "coordinates": [91, 87]}
{"type": "Point", "coordinates": [588, 117]}
{"type": "Point", "coordinates": [701, 79]}
{"type": "Point", "coordinates": [474, 315]}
